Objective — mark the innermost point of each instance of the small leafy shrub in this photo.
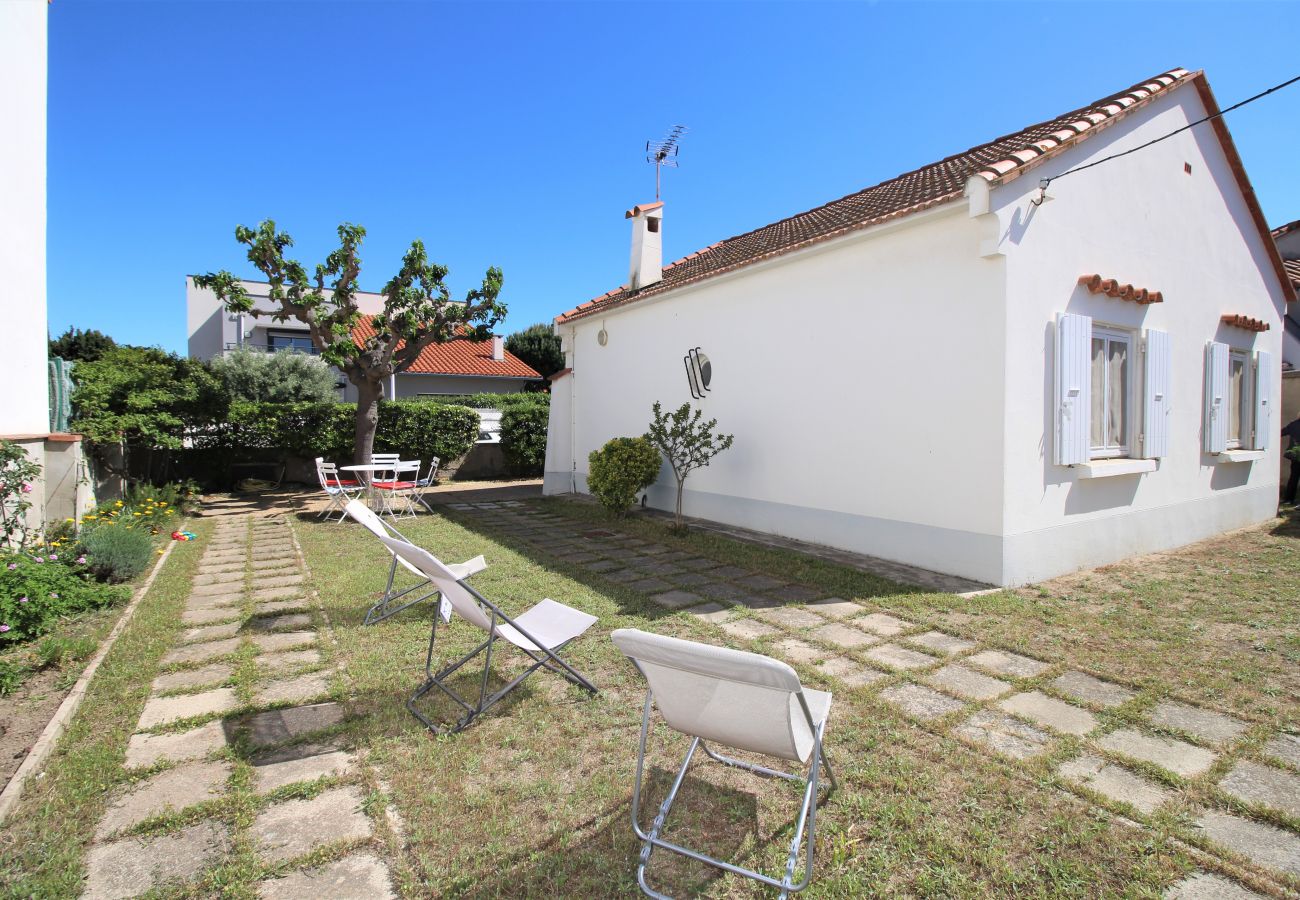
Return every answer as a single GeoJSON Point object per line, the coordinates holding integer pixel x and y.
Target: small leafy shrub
{"type": "Point", "coordinates": [622, 469]}
{"type": "Point", "coordinates": [61, 649]}
{"type": "Point", "coordinates": [17, 475]}
{"type": "Point", "coordinates": [261, 377]}
{"type": "Point", "coordinates": [12, 675]}
{"type": "Point", "coordinates": [35, 591]}
{"type": "Point", "coordinates": [139, 511]}
{"type": "Point", "coordinates": [117, 552]}
{"type": "Point", "coordinates": [523, 437]}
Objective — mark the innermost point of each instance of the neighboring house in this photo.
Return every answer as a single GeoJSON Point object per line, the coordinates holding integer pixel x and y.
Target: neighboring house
{"type": "Point", "coordinates": [25, 412]}
{"type": "Point", "coordinates": [952, 369]}
{"type": "Point", "coordinates": [1287, 238]}
{"type": "Point", "coordinates": [456, 367]}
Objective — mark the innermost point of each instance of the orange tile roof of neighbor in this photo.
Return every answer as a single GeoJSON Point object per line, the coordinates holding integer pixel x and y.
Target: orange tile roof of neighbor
{"type": "Point", "coordinates": [457, 357]}
{"type": "Point", "coordinates": [999, 160]}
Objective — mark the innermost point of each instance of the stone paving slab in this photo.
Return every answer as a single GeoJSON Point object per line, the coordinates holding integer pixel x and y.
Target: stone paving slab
{"type": "Point", "coordinates": [206, 633]}
{"type": "Point", "coordinates": [1215, 729]}
{"type": "Point", "coordinates": [791, 617]}
{"type": "Point", "coordinates": [221, 568]}
{"type": "Point", "coordinates": [294, 690]}
{"type": "Point", "coordinates": [146, 749]}
{"type": "Point", "coordinates": [296, 620]}
{"type": "Point", "coordinates": [1263, 844]}
{"type": "Point", "coordinates": [1055, 714]}
{"type": "Point", "coordinates": [279, 725]}
{"type": "Point", "coordinates": [1261, 785]}
{"type": "Point", "coordinates": [757, 602]}
{"type": "Point", "coordinates": [215, 590]}
{"type": "Point", "coordinates": [235, 576]}
{"type": "Point", "coordinates": [920, 702]}
{"type": "Point", "coordinates": [270, 607]}
{"type": "Point", "coordinates": [165, 710]}
{"type": "Point", "coordinates": [883, 624]}
{"type": "Point", "coordinates": [194, 653]}
{"type": "Point", "coordinates": [748, 629]}
{"type": "Point", "coordinates": [800, 593]}
{"type": "Point", "coordinates": [286, 563]}
{"type": "Point", "coordinates": [718, 590]}
{"type": "Point", "coordinates": [1012, 665]}
{"type": "Point", "coordinates": [350, 878]}
{"type": "Point", "coordinates": [677, 599]}
{"type": "Point", "coordinates": [205, 676]}
{"type": "Point", "coordinates": [297, 827]}
{"type": "Point", "coordinates": [215, 601]}
{"type": "Point", "coordinates": [969, 684]}
{"type": "Point", "coordinates": [1205, 886]}
{"type": "Point", "coordinates": [759, 582]}
{"type": "Point", "coordinates": [291, 659]}
{"type": "Point", "coordinates": [841, 635]}
{"type": "Point", "coordinates": [1285, 748]}
{"type": "Point", "coordinates": [1178, 757]}
{"type": "Point", "coordinates": [712, 612]}
{"type": "Point", "coordinates": [168, 791]}
{"type": "Point", "coordinates": [896, 657]}
{"type": "Point", "coordinates": [303, 762]}
{"type": "Point", "coordinates": [1093, 691]}
{"type": "Point", "coordinates": [649, 585]}
{"type": "Point", "coordinates": [854, 674]}
{"type": "Point", "coordinates": [1114, 782]}
{"type": "Point", "coordinates": [278, 593]}
{"type": "Point", "coordinates": [1005, 734]}
{"type": "Point", "coordinates": [210, 616]}
{"type": "Point", "coordinates": [945, 644]}
{"type": "Point", "coordinates": [794, 650]}
{"type": "Point", "coordinates": [835, 608]}
{"type": "Point", "coordinates": [135, 866]}
{"type": "Point", "coordinates": [284, 640]}
{"type": "Point", "coordinates": [273, 581]}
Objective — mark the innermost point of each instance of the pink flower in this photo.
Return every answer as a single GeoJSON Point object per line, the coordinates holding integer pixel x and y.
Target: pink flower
{"type": "Point", "coordinates": [3, 628]}
{"type": "Point", "coordinates": [54, 595]}
{"type": "Point", "coordinates": [40, 559]}
{"type": "Point", "coordinates": [13, 566]}
{"type": "Point", "coordinates": [81, 560]}
{"type": "Point", "coordinates": [53, 556]}
{"type": "Point", "coordinates": [27, 488]}
{"type": "Point", "coordinates": [22, 599]}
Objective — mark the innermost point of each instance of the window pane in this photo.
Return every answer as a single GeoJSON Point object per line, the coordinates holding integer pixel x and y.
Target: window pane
{"type": "Point", "coordinates": [1117, 399]}
{"type": "Point", "coordinates": [1098, 411]}
{"type": "Point", "coordinates": [1236, 383]}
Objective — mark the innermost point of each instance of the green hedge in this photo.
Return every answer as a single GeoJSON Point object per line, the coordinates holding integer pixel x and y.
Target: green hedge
{"type": "Point", "coordinates": [523, 437]}
{"type": "Point", "coordinates": [487, 401]}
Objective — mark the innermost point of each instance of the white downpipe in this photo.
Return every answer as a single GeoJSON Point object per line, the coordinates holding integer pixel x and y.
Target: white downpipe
{"type": "Point", "coordinates": [573, 410]}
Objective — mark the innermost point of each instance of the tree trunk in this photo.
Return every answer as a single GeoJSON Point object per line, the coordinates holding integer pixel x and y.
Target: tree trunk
{"type": "Point", "coordinates": [681, 483]}
{"type": "Point", "coordinates": [368, 394]}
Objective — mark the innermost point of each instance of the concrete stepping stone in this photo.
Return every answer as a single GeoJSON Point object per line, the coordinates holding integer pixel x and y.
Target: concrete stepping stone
{"type": "Point", "coordinates": [1011, 665]}
{"type": "Point", "coordinates": [194, 653]}
{"type": "Point", "coordinates": [273, 581]}
{"type": "Point", "coordinates": [841, 635]}
{"type": "Point", "coordinates": [1205, 886]}
{"type": "Point", "coordinates": [748, 629]}
{"type": "Point", "coordinates": [800, 593]}
{"type": "Point", "coordinates": [796, 651]}
{"type": "Point", "coordinates": [215, 590]}
{"type": "Point", "coordinates": [215, 601]}
{"type": "Point", "coordinates": [938, 642]}
{"type": "Point", "coordinates": [210, 616]}
{"type": "Point", "coordinates": [1215, 729]}
{"type": "Point", "coordinates": [1114, 782]}
{"type": "Point", "coordinates": [835, 608]}
{"type": "Point", "coordinates": [1093, 691]}
{"type": "Point", "coordinates": [284, 640]}
{"type": "Point", "coordinates": [1262, 844]}
{"type": "Point", "coordinates": [290, 659]}
{"type": "Point", "coordinates": [278, 606]}
{"type": "Point", "coordinates": [136, 866]}
{"type": "Point", "coordinates": [146, 749]}
{"type": "Point", "coordinates": [1005, 734]}
{"type": "Point", "coordinates": [712, 612]}
{"type": "Point", "coordinates": [297, 827]}
{"type": "Point", "coordinates": [303, 762]}
{"type": "Point", "coordinates": [236, 576]}
{"type": "Point", "coordinates": [1261, 785]}
{"type": "Point", "coordinates": [968, 684]}
{"type": "Point", "coordinates": [677, 599]}
{"type": "Point", "coordinates": [165, 710]}
{"type": "Point", "coordinates": [1285, 748]}
{"type": "Point", "coordinates": [896, 657]}
{"type": "Point", "coordinates": [186, 679]}
{"type": "Point", "coordinates": [287, 564]}
{"type": "Point", "coordinates": [223, 568]}
{"type": "Point", "coordinates": [720, 590]}
{"type": "Point", "coordinates": [278, 593]}
{"type": "Point", "coordinates": [1178, 757]}
{"type": "Point", "coordinates": [168, 791]}
{"type": "Point", "coordinates": [854, 674]}
{"type": "Point", "coordinates": [279, 725]}
{"type": "Point", "coordinates": [296, 620]}
{"type": "Point", "coordinates": [294, 690]}
{"type": "Point", "coordinates": [649, 585]}
{"type": "Point", "coordinates": [758, 582]}
{"type": "Point", "coordinates": [600, 565]}
{"type": "Point", "coordinates": [757, 602]}
{"type": "Point", "coordinates": [732, 572]}
{"type": "Point", "coordinates": [694, 563]}
{"type": "Point", "coordinates": [206, 633]}
{"type": "Point", "coordinates": [791, 617]}
{"type": "Point", "coordinates": [1055, 714]}
{"type": "Point", "coordinates": [920, 702]}
{"type": "Point", "coordinates": [883, 624]}
{"type": "Point", "coordinates": [280, 557]}
{"type": "Point", "coordinates": [359, 875]}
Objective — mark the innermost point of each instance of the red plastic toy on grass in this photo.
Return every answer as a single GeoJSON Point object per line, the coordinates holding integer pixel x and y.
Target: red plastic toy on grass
{"type": "Point", "coordinates": [182, 535]}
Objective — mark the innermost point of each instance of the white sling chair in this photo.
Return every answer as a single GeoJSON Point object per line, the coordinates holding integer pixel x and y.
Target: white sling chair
{"type": "Point", "coordinates": [539, 633]}
{"type": "Point", "coordinates": [737, 699]}
{"type": "Point", "coordinates": [384, 606]}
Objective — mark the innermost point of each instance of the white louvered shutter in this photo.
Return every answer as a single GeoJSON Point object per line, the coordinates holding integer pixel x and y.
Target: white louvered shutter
{"type": "Point", "coordinates": [1073, 397]}
{"type": "Point", "coordinates": [1155, 408]}
{"type": "Point", "coordinates": [1263, 399]}
{"type": "Point", "coordinates": [1215, 429]}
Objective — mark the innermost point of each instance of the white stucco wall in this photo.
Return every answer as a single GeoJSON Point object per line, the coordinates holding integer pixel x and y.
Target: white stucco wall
{"type": "Point", "coordinates": [23, 67]}
{"type": "Point", "coordinates": [850, 373]}
{"type": "Point", "coordinates": [1144, 220]}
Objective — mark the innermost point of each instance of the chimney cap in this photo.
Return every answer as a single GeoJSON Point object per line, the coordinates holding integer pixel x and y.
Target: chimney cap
{"type": "Point", "coordinates": [642, 208]}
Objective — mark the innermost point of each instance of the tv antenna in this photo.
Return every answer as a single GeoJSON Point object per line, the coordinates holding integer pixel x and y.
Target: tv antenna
{"type": "Point", "coordinates": [664, 153]}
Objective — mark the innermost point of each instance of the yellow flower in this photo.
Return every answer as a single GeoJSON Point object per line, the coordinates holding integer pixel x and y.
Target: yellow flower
{"type": "Point", "coordinates": [118, 503]}
{"type": "Point", "coordinates": [135, 514]}
{"type": "Point", "coordinates": [69, 520]}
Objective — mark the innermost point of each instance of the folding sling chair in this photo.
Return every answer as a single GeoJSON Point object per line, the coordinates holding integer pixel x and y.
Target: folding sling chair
{"type": "Point", "coordinates": [538, 633]}
{"type": "Point", "coordinates": [337, 489]}
{"type": "Point", "coordinates": [384, 607]}
{"type": "Point", "coordinates": [737, 699]}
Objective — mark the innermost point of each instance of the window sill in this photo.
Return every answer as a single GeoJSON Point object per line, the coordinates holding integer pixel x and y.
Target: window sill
{"type": "Point", "coordinates": [1236, 456]}
{"type": "Point", "coordinates": [1108, 468]}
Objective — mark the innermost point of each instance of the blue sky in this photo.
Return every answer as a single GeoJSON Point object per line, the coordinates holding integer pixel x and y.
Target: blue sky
{"type": "Point", "coordinates": [512, 134]}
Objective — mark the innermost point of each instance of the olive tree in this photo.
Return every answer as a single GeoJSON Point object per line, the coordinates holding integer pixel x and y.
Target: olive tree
{"type": "Point", "coordinates": [687, 442]}
{"type": "Point", "coordinates": [418, 310]}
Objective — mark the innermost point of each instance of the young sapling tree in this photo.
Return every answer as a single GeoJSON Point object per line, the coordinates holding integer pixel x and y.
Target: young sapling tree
{"type": "Point", "coordinates": [687, 442]}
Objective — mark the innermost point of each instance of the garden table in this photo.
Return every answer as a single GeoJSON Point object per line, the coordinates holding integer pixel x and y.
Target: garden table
{"type": "Point", "coordinates": [366, 475]}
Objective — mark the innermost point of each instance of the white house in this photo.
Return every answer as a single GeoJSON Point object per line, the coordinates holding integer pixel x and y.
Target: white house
{"type": "Point", "coordinates": [959, 370]}
{"type": "Point", "coordinates": [456, 367]}
{"type": "Point", "coordinates": [1287, 238]}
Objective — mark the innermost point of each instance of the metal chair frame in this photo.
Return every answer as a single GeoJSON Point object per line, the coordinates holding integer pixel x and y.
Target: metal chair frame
{"type": "Point", "coordinates": [338, 492]}
{"type": "Point", "coordinates": [383, 608]}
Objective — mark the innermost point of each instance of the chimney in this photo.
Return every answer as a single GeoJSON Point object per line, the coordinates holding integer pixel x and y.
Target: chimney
{"type": "Point", "coordinates": [647, 245]}
{"type": "Point", "coordinates": [498, 348]}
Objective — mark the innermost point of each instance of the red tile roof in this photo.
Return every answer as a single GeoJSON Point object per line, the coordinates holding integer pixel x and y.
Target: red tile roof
{"type": "Point", "coordinates": [1111, 287]}
{"type": "Point", "coordinates": [1292, 267]}
{"type": "Point", "coordinates": [999, 160]}
{"type": "Point", "coordinates": [457, 357]}
{"type": "Point", "coordinates": [1246, 322]}
{"type": "Point", "coordinates": [1286, 229]}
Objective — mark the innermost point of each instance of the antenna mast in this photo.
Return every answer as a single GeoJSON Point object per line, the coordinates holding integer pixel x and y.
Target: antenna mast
{"type": "Point", "coordinates": [664, 153]}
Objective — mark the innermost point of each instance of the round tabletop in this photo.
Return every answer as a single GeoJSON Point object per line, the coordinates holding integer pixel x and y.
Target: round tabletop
{"type": "Point", "coordinates": [380, 467]}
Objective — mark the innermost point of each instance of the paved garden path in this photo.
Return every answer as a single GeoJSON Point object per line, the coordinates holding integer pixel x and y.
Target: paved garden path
{"type": "Point", "coordinates": [240, 775]}
{"type": "Point", "coordinates": [1130, 751]}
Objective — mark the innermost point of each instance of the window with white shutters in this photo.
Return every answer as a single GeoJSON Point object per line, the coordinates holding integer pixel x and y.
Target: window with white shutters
{"type": "Point", "coordinates": [1262, 388]}
{"type": "Point", "coordinates": [1215, 426]}
{"type": "Point", "coordinates": [1073, 389]}
{"type": "Point", "coordinates": [1157, 380]}
{"type": "Point", "coordinates": [1111, 376]}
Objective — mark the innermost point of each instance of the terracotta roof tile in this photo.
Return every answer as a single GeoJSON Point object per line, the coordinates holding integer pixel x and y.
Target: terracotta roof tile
{"type": "Point", "coordinates": [1292, 267]}
{"type": "Point", "coordinates": [457, 357]}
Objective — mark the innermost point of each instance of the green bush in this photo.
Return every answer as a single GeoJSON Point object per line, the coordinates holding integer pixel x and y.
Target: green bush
{"type": "Point", "coordinates": [425, 430]}
{"type": "Point", "coordinates": [12, 675]}
{"type": "Point", "coordinates": [117, 552]}
{"type": "Point", "coordinates": [620, 470]}
{"type": "Point", "coordinates": [36, 590]}
{"type": "Point", "coordinates": [523, 437]}
{"type": "Point", "coordinates": [486, 401]}
{"type": "Point", "coordinates": [260, 377]}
